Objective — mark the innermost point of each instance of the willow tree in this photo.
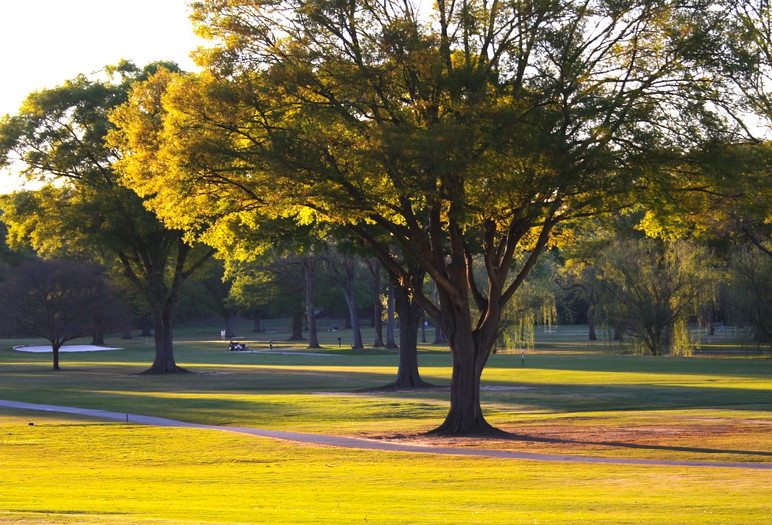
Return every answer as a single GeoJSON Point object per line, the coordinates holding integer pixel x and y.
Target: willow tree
{"type": "Point", "coordinates": [654, 288]}
{"type": "Point", "coordinates": [465, 131]}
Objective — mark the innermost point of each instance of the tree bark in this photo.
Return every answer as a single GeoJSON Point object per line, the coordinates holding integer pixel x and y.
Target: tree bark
{"type": "Point", "coordinates": [98, 338]}
{"type": "Point", "coordinates": [410, 315]}
{"type": "Point", "coordinates": [164, 362]}
{"type": "Point", "coordinates": [470, 352]}
{"type": "Point", "coordinates": [297, 327]}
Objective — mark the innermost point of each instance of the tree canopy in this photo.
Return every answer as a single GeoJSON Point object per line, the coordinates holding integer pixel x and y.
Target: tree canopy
{"type": "Point", "coordinates": [462, 132]}
{"type": "Point", "coordinates": [59, 135]}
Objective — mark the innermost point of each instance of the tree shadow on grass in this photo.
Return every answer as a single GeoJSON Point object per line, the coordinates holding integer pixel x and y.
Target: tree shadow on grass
{"type": "Point", "coordinates": [621, 444]}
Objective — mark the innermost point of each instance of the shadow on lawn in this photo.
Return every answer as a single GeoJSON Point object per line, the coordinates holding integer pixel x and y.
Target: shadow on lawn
{"type": "Point", "coordinates": [622, 444]}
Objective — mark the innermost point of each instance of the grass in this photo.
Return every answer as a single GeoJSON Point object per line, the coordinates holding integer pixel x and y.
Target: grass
{"type": "Point", "coordinates": [566, 400]}
{"type": "Point", "coordinates": [115, 473]}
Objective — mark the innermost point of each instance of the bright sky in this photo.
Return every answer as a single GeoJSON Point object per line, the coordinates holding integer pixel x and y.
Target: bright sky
{"type": "Point", "coordinates": [45, 42]}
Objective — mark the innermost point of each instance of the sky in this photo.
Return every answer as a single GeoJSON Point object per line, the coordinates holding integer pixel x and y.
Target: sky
{"type": "Point", "coordinates": [45, 42]}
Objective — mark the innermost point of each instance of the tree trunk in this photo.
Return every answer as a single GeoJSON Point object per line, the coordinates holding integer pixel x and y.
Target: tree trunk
{"type": "Point", "coordinates": [439, 335]}
{"type": "Point", "coordinates": [98, 339]}
{"type": "Point", "coordinates": [592, 299]}
{"type": "Point", "coordinates": [471, 343]}
{"type": "Point", "coordinates": [591, 322]}
{"type": "Point", "coordinates": [391, 343]}
{"type": "Point", "coordinates": [297, 327]}
{"type": "Point", "coordinates": [229, 330]}
{"type": "Point", "coordinates": [147, 327]}
{"type": "Point", "coordinates": [309, 274]}
{"type": "Point", "coordinates": [55, 346]}
{"type": "Point", "coordinates": [465, 417]}
{"type": "Point", "coordinates": [349, 295]}
{"type": "Point", "coordinates": [164, 362]}
{"type": "Point", "coordinates": [354, 316]}
{"type": "Point", "coordinates": [410, 315]}
{"type": "Point", "coordinates": [375, 270]}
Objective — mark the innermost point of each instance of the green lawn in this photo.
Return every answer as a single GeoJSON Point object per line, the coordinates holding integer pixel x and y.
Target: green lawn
{"type": "Point", "coordinates": [578, 400]}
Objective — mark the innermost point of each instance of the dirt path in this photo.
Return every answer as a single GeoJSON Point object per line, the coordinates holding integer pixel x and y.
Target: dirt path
{"type": "Point", "coordinates": [368, 444]}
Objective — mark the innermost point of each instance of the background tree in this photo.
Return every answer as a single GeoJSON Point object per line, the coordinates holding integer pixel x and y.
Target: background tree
{"type": "Point", "coordinates": [750, 291]}
{"type": "Point", "coordinates": [535, 302]}
{"type": "Point", "coordinates": [212, 290]}
{"type": "Point", "coordinates": [256, 291]}
{"type": "Point", "coordinates": [655, 288]}
{"type": "Point", "coordinates": [473, 129]}
{"type": "Point", "coordinates": [56, 300]}
{"type": "Point", "coordinates": [59, 135]}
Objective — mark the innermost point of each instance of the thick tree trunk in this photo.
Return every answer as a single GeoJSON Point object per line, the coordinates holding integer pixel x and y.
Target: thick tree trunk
{"type": "Point", "coordinates": [164, 362]}
{"type": "Point", "coordinates": [465, 417]}
{"type": "Point", "coordinates": [471, 343]}
{"type": "Point", "coordinates": [410, 315]}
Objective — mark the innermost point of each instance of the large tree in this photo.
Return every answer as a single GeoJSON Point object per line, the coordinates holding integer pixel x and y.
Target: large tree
{"type": "Point", "coordinates": [58, 137]}
{"type": "Point", "coordinates": [468, 128]}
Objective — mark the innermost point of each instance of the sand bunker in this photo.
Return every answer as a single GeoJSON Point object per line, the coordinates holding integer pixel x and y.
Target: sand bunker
{"type": "Point", "coordinates": [66, 348]}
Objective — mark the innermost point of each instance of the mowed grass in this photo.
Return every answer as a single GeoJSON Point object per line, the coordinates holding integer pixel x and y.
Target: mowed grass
{"type": "Point", "coordinates": [69, 471]}
{"type": "Point", "coordinates": [77, 470]}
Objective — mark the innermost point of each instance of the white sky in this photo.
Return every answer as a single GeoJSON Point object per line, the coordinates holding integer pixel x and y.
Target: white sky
{"type": "Point", "coordinates": [45, 42]}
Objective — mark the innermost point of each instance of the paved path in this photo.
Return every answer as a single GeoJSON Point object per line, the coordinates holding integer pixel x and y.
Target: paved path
{"type": "Point", "coordinates": [369, 444]}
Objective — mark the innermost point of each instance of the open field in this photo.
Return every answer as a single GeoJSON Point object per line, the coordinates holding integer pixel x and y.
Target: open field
{"type": "Point", "coordinates": [568, 399]}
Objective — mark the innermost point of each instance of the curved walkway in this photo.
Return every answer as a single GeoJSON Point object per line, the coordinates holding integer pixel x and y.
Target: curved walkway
{"type": "Point", "coordinates": [368, 444]}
